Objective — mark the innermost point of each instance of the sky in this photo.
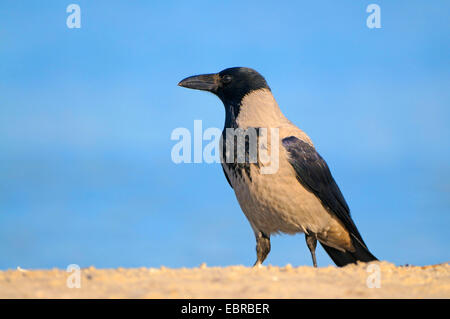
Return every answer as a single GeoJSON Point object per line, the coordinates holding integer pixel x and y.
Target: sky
{"type": "Point", "coordinates": [86, 115]}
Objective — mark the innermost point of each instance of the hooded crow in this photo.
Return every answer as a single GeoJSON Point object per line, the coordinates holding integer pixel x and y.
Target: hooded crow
{"type": "Point", "coordinates": [301, 195]}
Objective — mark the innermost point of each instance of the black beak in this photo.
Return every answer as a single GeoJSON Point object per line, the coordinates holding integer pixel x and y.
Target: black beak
{"type": "Point", "coordinates": [204, 82]}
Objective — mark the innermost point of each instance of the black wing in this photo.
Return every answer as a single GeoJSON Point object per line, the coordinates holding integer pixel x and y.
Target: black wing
{"type": "Point", "coordinates": [313, 173]}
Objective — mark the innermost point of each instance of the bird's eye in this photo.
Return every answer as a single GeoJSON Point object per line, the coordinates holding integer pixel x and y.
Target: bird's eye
{"type": "Point", "coordinates": [226, 79]}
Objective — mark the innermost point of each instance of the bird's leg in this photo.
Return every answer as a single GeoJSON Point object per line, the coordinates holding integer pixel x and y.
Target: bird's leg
{"type": "Point", "coordinates": [262, 248]}
{"type": "Point", "coordinates": [311, 242]}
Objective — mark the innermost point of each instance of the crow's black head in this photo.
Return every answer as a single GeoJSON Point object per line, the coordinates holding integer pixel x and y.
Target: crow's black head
{"type": "Point", "coordinates": [230, 85]}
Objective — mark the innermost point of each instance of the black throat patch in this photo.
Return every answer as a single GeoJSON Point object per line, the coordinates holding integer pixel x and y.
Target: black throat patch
{"type": "Point", "coordinates": [239, 83]}
{"type": "Point", "coordinates": [241, 167]}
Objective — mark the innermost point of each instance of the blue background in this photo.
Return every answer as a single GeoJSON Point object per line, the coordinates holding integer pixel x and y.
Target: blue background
{"type": "Point", "coordinates": [86, 114]}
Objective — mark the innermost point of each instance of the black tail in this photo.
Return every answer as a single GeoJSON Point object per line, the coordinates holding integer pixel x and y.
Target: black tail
{"type": "Point", "coordinates": [341, 259]}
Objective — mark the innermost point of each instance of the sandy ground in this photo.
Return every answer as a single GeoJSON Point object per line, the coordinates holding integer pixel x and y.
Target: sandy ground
{"type": "Point", "coordinates": [232, 282]}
